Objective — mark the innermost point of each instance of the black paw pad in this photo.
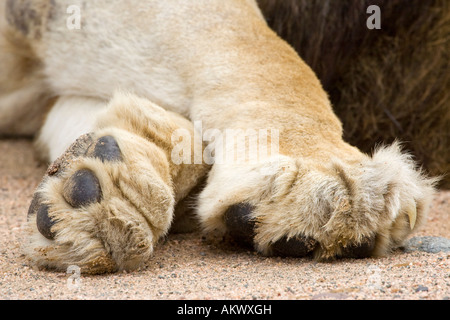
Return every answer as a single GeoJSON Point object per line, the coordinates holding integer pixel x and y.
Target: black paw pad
{"type": "Point", "coordinates": [44, 222]}
{"type": "Point", "coordinates": [239, 223]}
{"type": "Point", "coordinates": [299, 246]}
{"type": "Point", "coordinates": [82, 188]}
{"type": "Point", "coordinates": [360, 251]}
{"type": "Point", "coordinates": [105, 149]}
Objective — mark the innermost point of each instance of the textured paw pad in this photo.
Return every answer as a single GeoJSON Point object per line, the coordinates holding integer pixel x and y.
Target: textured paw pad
{"type": "Point", "coordinates": [241, 228]}
{"type": "Point", "coordinates": [360, 251]}
{"type": "Point", "coordinates": [82, 188]}
{"type": "Point", "coordinates": [240, 225]}
{"type": "Point", "coordinates": [44, 222]}
{"type": "Point", "coordinates": [294, 247]}
{"type": "Point", "coordinates": [106, 149]}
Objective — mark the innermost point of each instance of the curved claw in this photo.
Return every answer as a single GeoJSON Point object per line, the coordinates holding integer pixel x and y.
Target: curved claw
{"type": "Point", "coordinates": [412, 214]}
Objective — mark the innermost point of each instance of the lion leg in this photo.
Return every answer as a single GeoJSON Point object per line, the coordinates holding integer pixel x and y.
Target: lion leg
{"type": "Point", "coordinates": [106, 202]}
{"type": "Point", "coordinates": [333, 203]}
{"type": "Point", "coordinates": [24, 95]}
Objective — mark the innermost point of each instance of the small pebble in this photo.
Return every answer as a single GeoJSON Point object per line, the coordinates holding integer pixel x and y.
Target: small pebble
{"type": "Point", "coordinates": [421, 288]}
{"type": "Point", "coordinates": [428, 244]}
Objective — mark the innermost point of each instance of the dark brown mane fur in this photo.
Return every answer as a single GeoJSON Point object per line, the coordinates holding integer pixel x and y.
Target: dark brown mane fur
{"type": "Point", "coordinates": [384, 84]}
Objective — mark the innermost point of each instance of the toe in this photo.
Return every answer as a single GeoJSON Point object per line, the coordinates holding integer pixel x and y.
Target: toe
{"type": "Point", "coordinates": [294, 247]}
{"type": "Point", "coordinates": [82, 188]}
{"type": "Point", "coordinates": [240, 225]}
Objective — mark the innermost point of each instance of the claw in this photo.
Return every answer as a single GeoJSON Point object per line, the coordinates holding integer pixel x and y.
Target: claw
{"type": "Point", "coordinates": [412, 214]}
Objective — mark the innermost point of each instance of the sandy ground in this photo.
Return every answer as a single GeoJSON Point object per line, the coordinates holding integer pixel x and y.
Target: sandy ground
{"type": "Point", "coordinates": [188, 266]}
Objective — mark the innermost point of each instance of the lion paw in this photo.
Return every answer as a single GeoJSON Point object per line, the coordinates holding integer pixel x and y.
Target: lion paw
{"type": "Point", "coordinates": [333, 210]}
{"type": "Point", "coordinates": [101, 206]}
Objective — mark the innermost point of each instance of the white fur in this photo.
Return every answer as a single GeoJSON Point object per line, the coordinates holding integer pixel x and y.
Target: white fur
{"type": "Point", "coordinates": [69, 118]}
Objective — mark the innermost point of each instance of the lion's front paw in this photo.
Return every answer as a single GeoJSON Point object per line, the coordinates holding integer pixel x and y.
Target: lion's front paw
{"type": "Point", "coordinates": [101, 206]}
{"type": "Point", "coordinates": [354, 210]}
{"type": "Point", "coordinates": [241, 226]}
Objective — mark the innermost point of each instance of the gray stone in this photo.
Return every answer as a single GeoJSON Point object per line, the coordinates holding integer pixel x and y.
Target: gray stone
{"type": "Point", "coordinates": [421, 288]}
{"type": "Point", "coordinates": [428, 244]}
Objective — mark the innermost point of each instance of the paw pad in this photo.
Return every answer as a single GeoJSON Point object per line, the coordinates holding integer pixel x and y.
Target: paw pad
{"type": "Point", "coordinates": [294, 247]}
{"type": "Point", "coordinates": [359, 251]}
{"type": "Point", "coordinates": [44, 222]}
{"type": "Point", "coordinates": [240, 225]}
{"type": "Point", "coordinates": [106, 149]}
{"type": "Point", "coordinates": [82, 188]}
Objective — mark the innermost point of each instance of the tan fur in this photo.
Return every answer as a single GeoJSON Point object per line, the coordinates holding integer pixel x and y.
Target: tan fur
{"type": "Point", "coordinates": [227, 69]}
{"type": "Point", "coordinates": [23, 93]}
{"type": "Point", "coordinates": [127, 223]}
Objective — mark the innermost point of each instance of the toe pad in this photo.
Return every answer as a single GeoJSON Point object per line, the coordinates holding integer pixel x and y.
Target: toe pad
{"type": "Point", "coordinates": [106, 149]}
{"type": "Point", "coordinates": [294, 247]}
{"type": "Point", "coordinates": [240, 225]}
{"type": "Point", "coordinates": [82, 188]}
{"type": "Point", "coordinates": [44, 222]}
